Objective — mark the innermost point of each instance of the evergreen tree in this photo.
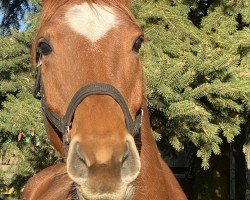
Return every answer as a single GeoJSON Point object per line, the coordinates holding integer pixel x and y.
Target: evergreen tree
{"type": "Point", "coordinates": [12, 12]}
{"type": "Point", "coordinates": [198, 78]}
{"type": "Point", "coordinates": [23, 142]}
{"type": "Point", "coordinates": [197, 69]}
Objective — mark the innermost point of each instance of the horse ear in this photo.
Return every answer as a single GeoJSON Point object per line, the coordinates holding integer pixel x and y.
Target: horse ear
{"type": "Point", "coordinates": [126, 2]}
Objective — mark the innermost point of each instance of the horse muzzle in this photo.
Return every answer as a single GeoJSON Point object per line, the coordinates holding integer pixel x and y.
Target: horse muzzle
{"type": "Point", "coordinates": [111, 179]}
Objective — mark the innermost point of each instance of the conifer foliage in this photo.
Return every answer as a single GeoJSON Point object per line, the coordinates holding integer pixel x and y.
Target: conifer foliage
{"type": "Point", "coordinates": [197, 83]}
{"type": "Point", "coordinates": [197, 77]}
{"type": "Point", "coordinates": [23, 142]}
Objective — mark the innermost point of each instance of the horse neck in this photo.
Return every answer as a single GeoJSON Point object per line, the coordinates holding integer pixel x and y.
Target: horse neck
{"type": "Point", "coordinates": [156, 180]}
{"type": "Point", "coordinates": [151, 175]}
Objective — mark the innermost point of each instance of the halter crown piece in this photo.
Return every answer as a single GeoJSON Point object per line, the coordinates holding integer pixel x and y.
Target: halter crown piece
{"type": "Point", "coordinates": [62, 123]}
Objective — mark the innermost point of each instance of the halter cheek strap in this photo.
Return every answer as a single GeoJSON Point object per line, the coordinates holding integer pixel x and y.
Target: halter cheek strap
{"type": "Point", "coordinates": [63, 123]}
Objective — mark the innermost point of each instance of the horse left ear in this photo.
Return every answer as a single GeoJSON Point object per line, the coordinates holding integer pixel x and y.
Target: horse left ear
{"type": "Point", "coordinates": [126, 2]}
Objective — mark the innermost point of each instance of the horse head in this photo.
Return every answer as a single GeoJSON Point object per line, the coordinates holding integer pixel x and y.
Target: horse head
{"type": "Point", "coordinates": [91, 84]}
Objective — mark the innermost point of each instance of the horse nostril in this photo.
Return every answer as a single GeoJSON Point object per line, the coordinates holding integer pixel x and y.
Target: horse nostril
{"type": "Point", "coordinates": [130, 166]}
{"type": "Point", "coordinates": [126, 154]}
{"type": "Point", "coordinates": [79, 153]}
{"type": "Point", "coordinates": [76, 162]}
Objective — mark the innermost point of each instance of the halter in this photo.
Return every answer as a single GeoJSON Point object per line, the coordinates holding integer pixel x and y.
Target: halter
{"type": "Point", "coordinates": [62, 123]}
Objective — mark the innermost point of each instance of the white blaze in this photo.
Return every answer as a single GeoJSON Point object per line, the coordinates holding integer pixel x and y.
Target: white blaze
{"type": "Point", "coordinates": [93, 21]}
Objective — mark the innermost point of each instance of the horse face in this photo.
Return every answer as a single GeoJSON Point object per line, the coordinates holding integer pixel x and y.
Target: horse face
{"type": "Point", "coordinates": [84, 43]}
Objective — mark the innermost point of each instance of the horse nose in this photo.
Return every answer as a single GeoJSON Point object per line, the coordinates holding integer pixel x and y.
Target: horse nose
{"type": "Point", "coordinates": [100, 158]}
{"type": "Point", "coordinates": [103, 175]}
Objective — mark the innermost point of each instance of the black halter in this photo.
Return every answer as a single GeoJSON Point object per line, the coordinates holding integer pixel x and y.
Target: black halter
{"type": "Point", "coordinates": [63, 123]}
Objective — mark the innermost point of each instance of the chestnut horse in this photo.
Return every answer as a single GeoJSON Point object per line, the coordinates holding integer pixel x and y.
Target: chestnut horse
{"type": "Point", "coordinates": [93, 97]}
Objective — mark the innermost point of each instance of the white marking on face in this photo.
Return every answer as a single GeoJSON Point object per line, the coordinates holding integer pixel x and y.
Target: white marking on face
{"type": "Point", "coordinates": [92, 21]}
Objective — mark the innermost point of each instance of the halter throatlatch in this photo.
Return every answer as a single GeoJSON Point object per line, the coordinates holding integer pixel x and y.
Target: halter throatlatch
{"type": "Point", "coordinates": [63, 123]}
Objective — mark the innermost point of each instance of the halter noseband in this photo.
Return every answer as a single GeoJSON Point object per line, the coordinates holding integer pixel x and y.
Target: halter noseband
{"type": "Point", "coordinates": [63, 123]}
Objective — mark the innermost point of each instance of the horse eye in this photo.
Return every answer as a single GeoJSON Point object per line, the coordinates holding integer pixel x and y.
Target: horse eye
{"type": "Point", "coordinates": [137, 44]}
{"type": "Point", "coordinates": [44, 48]}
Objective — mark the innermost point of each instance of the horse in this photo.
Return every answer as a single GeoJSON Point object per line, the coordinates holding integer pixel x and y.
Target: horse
{"type": "Point", "coordinates": [92, 90]}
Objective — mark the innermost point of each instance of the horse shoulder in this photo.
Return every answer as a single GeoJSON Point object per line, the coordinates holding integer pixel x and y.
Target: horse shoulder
{"type": "Point", "coordinates": [51, 183]}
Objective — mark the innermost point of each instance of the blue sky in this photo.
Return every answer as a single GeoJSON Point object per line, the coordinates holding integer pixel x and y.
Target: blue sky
{"type": "Point", "coordinates": [1, 16]}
